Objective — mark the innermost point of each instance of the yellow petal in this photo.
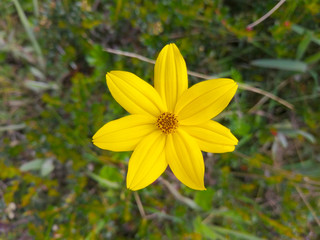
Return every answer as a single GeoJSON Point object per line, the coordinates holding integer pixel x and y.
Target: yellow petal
{"type": "Point", "coordinates": [212, 137]}
{"type": "Point", "coordinates": [147, 162]}
{"type": "Point", "coordinates": [185, 159]}
{"type": "Point", "coordinates": [134, 94]}
{"type": "Point", "coordinates": [205, 100]}
{"type": "Point", "coordinates": [170, 75]}
{"type": "Point", "coordinates": [125, 133]}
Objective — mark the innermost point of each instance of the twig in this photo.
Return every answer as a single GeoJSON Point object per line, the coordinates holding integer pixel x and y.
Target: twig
{"type": "Point", "coordinates": [264, 17]}
{"type": "Point", "coordinates": [141, 209]}
{"type": "Point", "coordinates": [308, 205]}
{"type": "Point", "coordinates": [13, 127]}
{"type": "Point", "coordinates": [267, 94]}
{"type": "Point", "coordinates": [308, 180]}
{"type": "Point", "coordinates": [203, 76]}
{"type": "Point", "coordinates": [149, 60]}
{"type": "Point", "coordinates": [139, 203]}
{"type": "Point", "coordinates": [264, 98]}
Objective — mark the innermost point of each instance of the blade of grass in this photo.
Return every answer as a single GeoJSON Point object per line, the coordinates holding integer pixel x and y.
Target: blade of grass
{"type": "Point", "coordinates": [29, 32]}
{"type": "Point", "coordinates": [281, 64]}
{"type": "Point", "coordinates": [96, 230]}
{"type": "Point", "coordinates": [313, 58]}
{"type": "Point", "coordinates": [301, 30]}
{"type": "Point", "coordinates": [236, 234]}
{"type": "Point", "coordinates": [35, 7]}
{"type": "Point", "coordinates": [303, 45]}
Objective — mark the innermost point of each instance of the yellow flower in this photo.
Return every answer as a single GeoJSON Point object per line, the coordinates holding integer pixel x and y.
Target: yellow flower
{"type": "Point", "coordinates": [169, 124]}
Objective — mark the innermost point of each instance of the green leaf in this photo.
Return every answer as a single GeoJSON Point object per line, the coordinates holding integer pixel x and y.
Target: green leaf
{"type": "Point", "coordinates": [307, 136]}
{"type": "Point", "coordinates": [47, 167]}
{"type": "Point", "coordinates": [296, 132]}
{"type": "Point", "coordinates": [110, 173]}
{"type": "Point", "coordinates": [33, 165]}
{"type": "Point", "coordinates": [204, 198]}
{"type": "Point", "coordinates": [206, 231]}
{"type": "Point", "coordinates": [281, 64]}
{"type": "Point", "coordinates": [38, 86]}
{"type": "Point", "coordinates": [103, 182]}
{"type": "Point", "coordinates": [37, 73]}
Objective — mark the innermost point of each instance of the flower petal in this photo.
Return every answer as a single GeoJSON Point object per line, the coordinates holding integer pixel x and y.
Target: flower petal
{"type": "Point", "coordinates": [212, 137]}
{"type": "Point", "coordinates": [125, 133]}
{"type": "Point", "coordinates": [134, 94]}
{"type": "Point", "coordinates": [170, 75]}
{"type": "Point", "coordinates": [147, 162]}
{"type": "Point", "coordinates": [205, 100]}
{"type": "Point", "coordinates": [185, 159]}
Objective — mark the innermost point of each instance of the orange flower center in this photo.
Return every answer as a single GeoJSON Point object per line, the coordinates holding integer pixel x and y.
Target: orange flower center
{"type": "Point", "coordinates": [167, 122]}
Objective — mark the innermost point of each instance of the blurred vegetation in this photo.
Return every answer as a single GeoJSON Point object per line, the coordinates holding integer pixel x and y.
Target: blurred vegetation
{"type": "Point", "coordinates": [54, 184]}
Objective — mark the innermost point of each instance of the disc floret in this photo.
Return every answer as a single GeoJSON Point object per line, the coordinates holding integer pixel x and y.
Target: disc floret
{"type": "Point", "coordinates": [167, 122]}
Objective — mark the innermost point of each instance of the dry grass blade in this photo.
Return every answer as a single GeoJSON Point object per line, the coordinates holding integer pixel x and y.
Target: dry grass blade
{"type": "Point", "coordinates": [203, 76]}
{"type": "Point", "coordinates": [314, 214]}
{"type": "Point", "coordinates": [187, 201]}
{"type": "Point", "coordinates": [268, 14]}
{"type": "Point", "coordinates": [139, 204]}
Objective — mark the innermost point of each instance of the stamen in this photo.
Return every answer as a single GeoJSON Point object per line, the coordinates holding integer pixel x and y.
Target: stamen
{"type": "Point", "coordinates": [167, 122]}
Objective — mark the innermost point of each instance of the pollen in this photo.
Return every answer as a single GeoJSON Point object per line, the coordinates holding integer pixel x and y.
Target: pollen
{"type": "Point", "coordinates": [167, 122]}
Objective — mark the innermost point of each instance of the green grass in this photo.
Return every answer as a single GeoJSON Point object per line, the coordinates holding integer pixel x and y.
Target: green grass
{"type": "Point", "coordinates": [55, 184]}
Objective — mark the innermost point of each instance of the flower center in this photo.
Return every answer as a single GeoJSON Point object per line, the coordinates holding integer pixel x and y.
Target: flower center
{"type": "Point", "coordinates": [167, 122]}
